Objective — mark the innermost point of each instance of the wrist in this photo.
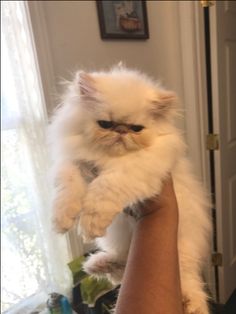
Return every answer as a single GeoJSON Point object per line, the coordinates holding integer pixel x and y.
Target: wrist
{"type": "Point", "coordinates": [167, 217]}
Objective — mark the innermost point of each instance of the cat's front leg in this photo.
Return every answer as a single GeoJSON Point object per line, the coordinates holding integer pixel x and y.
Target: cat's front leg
{"type": "Point", "coordinates": [69, 190]}
{"type": "Point", "coordinates": [109, 194]}
{"type": "Point", "coordinates": [97, 214]}
{"type": "Point", "coordinates": [126, 182]}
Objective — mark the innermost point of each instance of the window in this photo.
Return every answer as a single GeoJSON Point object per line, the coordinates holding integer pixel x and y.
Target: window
{"type": "Point", "coordinates": [33, 257]}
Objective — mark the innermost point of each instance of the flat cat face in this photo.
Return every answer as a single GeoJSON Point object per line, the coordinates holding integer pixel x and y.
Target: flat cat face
{"type": "Point", "coordinates": [119, 137]}
{"type": "Point", "coordinates": [121, 110]}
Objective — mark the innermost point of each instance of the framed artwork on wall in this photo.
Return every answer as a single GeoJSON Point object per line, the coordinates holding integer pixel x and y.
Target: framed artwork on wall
{"type": "Point", "coordinates": [123, 19]}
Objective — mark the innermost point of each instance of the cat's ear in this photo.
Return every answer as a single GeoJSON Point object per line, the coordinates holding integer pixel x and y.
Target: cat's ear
{"type": "Point", "coordinates": [164, 103]}
{"type": "Point", "coordinates": [86, 84]}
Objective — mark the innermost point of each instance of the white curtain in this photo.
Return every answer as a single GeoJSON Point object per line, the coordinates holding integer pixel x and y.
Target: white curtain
{"type": "Point", "coordinates": [33, 257]}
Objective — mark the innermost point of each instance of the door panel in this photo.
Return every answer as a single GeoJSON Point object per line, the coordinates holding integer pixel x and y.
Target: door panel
{"type": "Point", "coordinates": [230, 53]}
{"type": "Point", "coordinates": [223, 58]}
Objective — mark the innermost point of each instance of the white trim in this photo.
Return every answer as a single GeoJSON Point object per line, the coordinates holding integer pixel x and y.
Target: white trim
{"type": "Point", "coordinates": [195, 96]}
{"type": "Point", "coordinates": [75, 243]}
{"type": "Point", "coordinates": [217, 159]}
{"type": "Point", "coordinates": [36, 59]}
{"type": "Point", "coordinates": [202, 90]}
{"type": "Point", "coordinates": [43, 50]}
{"type": "Point", "coordinates": [194, 84]}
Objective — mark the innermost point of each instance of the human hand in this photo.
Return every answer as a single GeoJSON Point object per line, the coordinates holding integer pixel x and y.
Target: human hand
{"type": "Point", "coordinates": [165, 201]}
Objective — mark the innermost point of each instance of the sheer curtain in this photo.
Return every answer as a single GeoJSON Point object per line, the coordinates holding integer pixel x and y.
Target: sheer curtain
{"type": "Point", "coordinates": [33, 257]}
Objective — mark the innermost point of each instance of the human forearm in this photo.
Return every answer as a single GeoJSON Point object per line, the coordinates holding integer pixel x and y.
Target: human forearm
{"type": "Point", "coordinates": [151, 281]}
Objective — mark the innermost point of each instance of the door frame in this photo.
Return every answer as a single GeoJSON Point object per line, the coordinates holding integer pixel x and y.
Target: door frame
{"type": "Point", "coordinates": [192, 36]}
{"type": "Point", "coordinates": [224, 243]}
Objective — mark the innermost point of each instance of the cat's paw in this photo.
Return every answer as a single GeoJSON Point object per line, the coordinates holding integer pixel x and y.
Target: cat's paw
{"type": "Point", "coordinates": [93, 224]}
{"type": "Point", "coordinates": [95, 217]}
{"type": "Point", "coordinates": [62, 223]}
{"type": "Point", "coordinates": [65, 214]}
{"type": "Point", "coordinates": [103, 264]}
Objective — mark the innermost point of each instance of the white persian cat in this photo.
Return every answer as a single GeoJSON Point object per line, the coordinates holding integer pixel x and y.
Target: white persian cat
{"type": "Point", "coordinates": [114, 142]}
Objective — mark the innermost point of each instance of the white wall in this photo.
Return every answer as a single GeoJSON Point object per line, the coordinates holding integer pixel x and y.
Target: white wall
{"type": "Point", "coordinates": [74, 41]}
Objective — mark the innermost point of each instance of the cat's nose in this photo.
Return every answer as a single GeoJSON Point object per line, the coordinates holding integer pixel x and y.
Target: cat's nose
{"type": "Point", "coordinates": [122, 129]}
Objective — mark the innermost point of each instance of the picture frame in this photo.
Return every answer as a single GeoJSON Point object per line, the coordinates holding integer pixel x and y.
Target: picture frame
{"type": "Point", "coordinates": [123, 19]}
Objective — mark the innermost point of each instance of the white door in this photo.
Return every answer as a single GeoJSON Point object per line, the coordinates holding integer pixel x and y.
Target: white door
{"type": "Point", "coordinates": [223, 61]}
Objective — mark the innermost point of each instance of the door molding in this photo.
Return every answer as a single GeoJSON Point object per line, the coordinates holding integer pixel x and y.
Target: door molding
{"type": "Point", "coordinates": [222, 17]}
{"type": "Point", "coordinates": [44, 55]}
{"type": "Point", "coordinates": [194, 84]}
{"type": "Point", "coordinates": [192, 35]}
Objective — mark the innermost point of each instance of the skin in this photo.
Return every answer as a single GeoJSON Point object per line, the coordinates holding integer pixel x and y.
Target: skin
{"type": "Point", "coordinates": [151, 283]}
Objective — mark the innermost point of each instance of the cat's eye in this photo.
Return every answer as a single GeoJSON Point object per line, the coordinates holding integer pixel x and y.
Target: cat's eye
{"type": "Point", "coordinates": [136, 128]}
{"type": "Point", "coordinates": [105, 124]}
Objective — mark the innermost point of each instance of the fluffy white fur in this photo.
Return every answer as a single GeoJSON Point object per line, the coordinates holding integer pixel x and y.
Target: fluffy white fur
{"type": "Point", "coordinates": [99, 172]}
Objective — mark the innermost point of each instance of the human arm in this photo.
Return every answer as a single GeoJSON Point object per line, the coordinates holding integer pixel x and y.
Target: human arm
{"type": "Point", "coordinates": [151, 281]}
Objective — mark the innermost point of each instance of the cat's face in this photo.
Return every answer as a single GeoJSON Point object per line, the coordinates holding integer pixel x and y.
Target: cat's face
{"type": "Point", "coordinates": [120, 111]}
{"type": "Point", "coordinates": [117, 137]}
